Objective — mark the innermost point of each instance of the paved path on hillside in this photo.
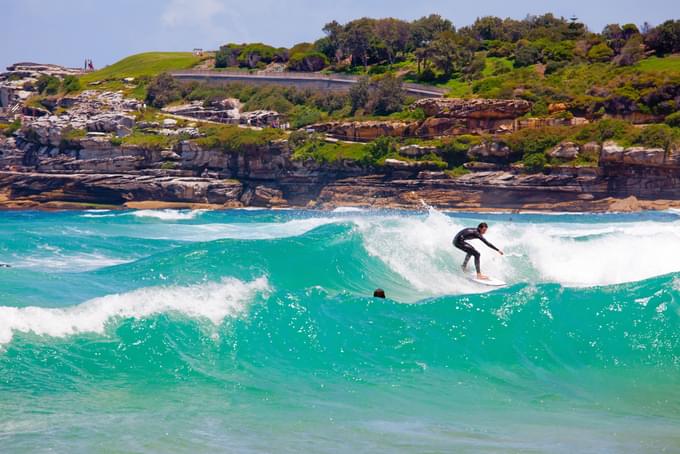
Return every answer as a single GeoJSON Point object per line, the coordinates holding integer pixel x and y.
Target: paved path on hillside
{"type": "Point", "coordinates": [336, 82]}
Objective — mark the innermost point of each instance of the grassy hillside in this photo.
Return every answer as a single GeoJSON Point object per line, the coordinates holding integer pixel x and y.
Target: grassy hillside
{"type": "Point", "coordinates": [148, 64]}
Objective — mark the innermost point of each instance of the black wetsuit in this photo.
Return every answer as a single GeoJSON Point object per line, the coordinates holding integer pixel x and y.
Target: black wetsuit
{"type": "Point", "coordinates": [460, 241]}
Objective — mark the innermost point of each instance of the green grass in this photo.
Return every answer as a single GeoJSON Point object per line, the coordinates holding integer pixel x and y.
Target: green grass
{"type": "Point", "coordinates": [457, 88]}
{"type": "Point", "coordinates": [670, 63]}
{"type": "Point", "coordinates": [230, 138]}
{"type": "Point", "coordinates": [147, 64]}
{"type": "Point", "coordinates": [496, 65]}
{"type": "Point", "coordinates": [327, 152]}
{"type": "Point", "coordinates": [150, 141]}
{"type": "Point", "coordinates": [457, 172]}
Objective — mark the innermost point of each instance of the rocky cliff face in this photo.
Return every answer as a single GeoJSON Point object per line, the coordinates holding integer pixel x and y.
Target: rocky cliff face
{"type": "Point", "coordinates": [76, 157]}
{"type": "Point", "coordinates": [445, 117]}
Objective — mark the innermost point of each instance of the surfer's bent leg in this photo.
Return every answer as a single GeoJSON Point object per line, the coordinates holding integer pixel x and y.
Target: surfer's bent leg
{"type": "Point", "coordinates": [470, 251]}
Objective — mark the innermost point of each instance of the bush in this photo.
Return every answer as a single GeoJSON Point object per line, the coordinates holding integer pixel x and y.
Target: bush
{"type": "Point", "coordinates": [386, 96]}
{"type": "Point", "coordinates": [48, 85]}
{"type": "Point", "coordinates": [358, 94]}
{"type": "Point", "coordinates": [673, 120]}
{"type": "Point", "coordinates": [70, 84]}
{"type": "Point", "coordinates": [600, 53]}
{"type": "Point", "coordinates": [308, 61]}
{"type": "Point", "coordinates": [533, 141]}
{"type": "Point", "coordinates": [455, 149]}
{"type": "Point", "coordinates": [300, 116]}
{"type": "Point", "coordinates": [231, 138]}
{"type": "Point", "coordinates": [163, 90]}
{"type": "Point", "coordinates": [658, 136]}
{"type": "Point", "coordinates": [607, 129]}
{"type": "Point", "coordinates": [535, 162]}
{"type": "Point", "coordinates": [526, 54]}
{"type": "Point", "coordinates": [11, 128]}
{"type": "Point", "coordinates": [381, 147]}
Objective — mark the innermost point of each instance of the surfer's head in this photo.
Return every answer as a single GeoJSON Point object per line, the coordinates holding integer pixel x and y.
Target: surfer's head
{"type": "Point", "coordinates": [379, 293]}
{"type": "Point", "coordinates": [482, 227]}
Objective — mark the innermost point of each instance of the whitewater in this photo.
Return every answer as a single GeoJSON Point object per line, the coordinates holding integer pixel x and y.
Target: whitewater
{"type": "Point", "coordinates": [256, 331]}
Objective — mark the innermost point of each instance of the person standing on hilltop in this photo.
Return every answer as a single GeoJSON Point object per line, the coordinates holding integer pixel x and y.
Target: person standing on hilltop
{"type": "Point", "coordinates": [460, 241]}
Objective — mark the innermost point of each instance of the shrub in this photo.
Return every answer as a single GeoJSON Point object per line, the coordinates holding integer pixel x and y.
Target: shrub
{"type": "Point", "coordinates": [603, 130]}
{"type": "Point", "coordinates": [526, 54]}
{"type": "Point", "coordinates": [300, 116]}
{"type": "Point", "coordinates": [11, 128]}
{"type": "Point", "coordinates": [231, 138]}
{"type": "Point", "coordinates": [70, 84]}
{"type": "Point", "coordinates": [307, 61]}
{"type": "Point", "coordinates": [673, 120]}
{"type": "Point", "coordinates": [381, 147]}
{"type": "Point", "coordinates": [358, 94]}
{"type": "Point", "coordinates": [163, 90]}
{"type": "Point", "coordinates": [658, 136]}
{"type": "Point", "coordinates": [535, 162]}
{"type": "Point", "coordinates": [532, 141]}
{"type": "Point", "coordinates": [600, 53]}
{"type": "Point", "coordinates": [386, 96]}
{"type": "Point", "coordinates": [48, 85]}
{"type": "Point", "coordinates": [455, 149]}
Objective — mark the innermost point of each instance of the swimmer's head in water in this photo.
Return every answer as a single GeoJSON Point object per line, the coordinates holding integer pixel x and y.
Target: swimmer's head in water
{"type": "Point", "coordinates": [379, 293]}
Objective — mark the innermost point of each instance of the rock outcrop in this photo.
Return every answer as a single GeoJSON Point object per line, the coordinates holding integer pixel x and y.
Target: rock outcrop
{"type": "Point", "coordinates": [565, 150]}
{"type": "Point", "coordinates": [480, 109]}
{"type": "Point", "coordinates": [445, 117]}
{"type": "Point", "coordinates": [367, 130]}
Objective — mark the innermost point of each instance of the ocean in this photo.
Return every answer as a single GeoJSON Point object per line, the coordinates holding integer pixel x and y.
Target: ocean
{"type": "Point", "coordinates": [256, 331]}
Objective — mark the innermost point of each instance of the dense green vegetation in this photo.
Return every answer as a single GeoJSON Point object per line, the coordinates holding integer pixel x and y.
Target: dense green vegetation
{"type": "Point", "coordinates": [232, 138]}
{"type": "Point", "coordinates": [561, 67]}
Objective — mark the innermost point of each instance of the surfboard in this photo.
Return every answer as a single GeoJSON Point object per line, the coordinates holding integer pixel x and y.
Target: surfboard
{"type": "Point", "coordinates": [491, 282]}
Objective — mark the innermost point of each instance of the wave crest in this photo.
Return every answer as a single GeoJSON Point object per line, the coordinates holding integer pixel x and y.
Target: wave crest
{"type": "Point", "coordinates": [212, 301]}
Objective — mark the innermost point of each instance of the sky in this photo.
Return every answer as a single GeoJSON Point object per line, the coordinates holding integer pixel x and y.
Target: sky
{"type": "Point", "coordinates": [68, 31]}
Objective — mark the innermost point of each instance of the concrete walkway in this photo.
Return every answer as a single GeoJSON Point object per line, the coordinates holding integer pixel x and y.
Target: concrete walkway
{"type": "Point", "coordinates": [335, 82]}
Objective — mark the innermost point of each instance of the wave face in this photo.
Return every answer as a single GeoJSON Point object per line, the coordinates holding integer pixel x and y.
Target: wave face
{"type": "Point", "coordinates": [202, 331]}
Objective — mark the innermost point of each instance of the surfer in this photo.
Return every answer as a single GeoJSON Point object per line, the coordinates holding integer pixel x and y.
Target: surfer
{"type": "Point", "coordinates": [460, 241]}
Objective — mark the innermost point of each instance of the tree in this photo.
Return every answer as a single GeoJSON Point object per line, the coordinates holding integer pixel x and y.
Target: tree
{"type": "Point", "coordinates": [334, 44]}
{"type": "Point", "coordinates": [394, 34]}
{"type": "Point", "coordinates": [227, 55]}
{"type": "Point", "coordinates": [664, 39]}
{"type": "Point", "coordinates": [358, 94]}
{"type": "Point", "coordinates": [489, 28]}
{"type": "Point", "coordinates": [632, 52]}
{"type": "Point", "coordinates": [357, 40]}
{"type": "Point", "coordinates": [526, 54]}
{"type": "Point", "coordinates": [448, 53]}
{"type": "Point", "coordinates": [425, 29]}
{"type": "Point", "coordinates": [386, 96]}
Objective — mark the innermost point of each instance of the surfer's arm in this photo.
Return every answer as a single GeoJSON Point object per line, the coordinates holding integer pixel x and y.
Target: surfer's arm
{"type": "Point", "coordinates": [481, 237]}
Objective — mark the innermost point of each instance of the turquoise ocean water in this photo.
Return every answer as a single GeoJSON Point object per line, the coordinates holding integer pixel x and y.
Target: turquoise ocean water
{"type": "Point", "coordinates": [254, 331]}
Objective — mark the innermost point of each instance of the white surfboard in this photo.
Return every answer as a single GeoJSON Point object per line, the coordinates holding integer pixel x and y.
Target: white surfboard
{"type": "Point", "coordinates": [491, 281]}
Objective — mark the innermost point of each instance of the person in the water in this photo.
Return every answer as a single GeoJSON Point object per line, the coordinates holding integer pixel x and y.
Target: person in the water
{"type": "Point", "coordinates": [460, 241]}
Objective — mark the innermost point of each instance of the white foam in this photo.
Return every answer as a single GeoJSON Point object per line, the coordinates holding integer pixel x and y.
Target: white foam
{"type": "Point", "coordinates": [75, 262]}
{"type": "Point", "coordinates": [245, 231]}
{"type": "Point", "coordinates": [571, 254]}
{"type": "Point", "coordinates": [168, 214]}
{"type": "Point", "coordinates": [212, 301]}
{"type": "Point", "coordinates": [420, 250]}
{"type": "Point", "coordinates": [349, 210]}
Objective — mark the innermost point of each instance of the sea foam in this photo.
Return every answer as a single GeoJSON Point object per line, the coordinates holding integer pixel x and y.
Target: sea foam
{"type": "Point", "coordinates": [212, 301]}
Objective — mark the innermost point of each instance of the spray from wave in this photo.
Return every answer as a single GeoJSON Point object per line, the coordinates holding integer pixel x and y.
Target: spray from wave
{"type": "Point", "coordinates": [212, 301]}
